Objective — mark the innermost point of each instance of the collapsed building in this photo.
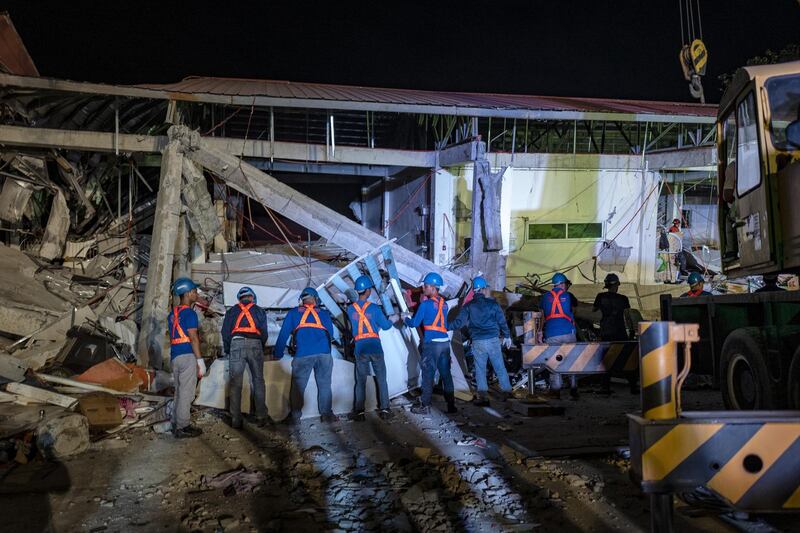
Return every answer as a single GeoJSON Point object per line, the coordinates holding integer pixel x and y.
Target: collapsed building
{"type": "Point", "coordinates": [111, 192]}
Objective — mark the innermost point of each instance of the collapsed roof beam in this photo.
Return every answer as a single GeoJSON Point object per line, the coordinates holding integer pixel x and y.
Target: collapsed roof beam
{"type": "Point", "coordinates": [301, 209]}
{"type": "Point", "coordinates": [97, 141]}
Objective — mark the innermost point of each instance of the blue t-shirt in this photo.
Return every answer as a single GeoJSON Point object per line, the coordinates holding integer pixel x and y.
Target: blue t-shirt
{"type": "Point", "coordinates": [377, 321]}
{"type": "Point", "coordinates": [556, 326]}
{"type": "Point", "coordinates": [187, 319]}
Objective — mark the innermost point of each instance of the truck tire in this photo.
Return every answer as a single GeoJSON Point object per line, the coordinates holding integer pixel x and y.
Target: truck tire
{"type": "Point", "coordinates": [744, 377]}
{"type": "Point", "coordinates": [794, 381]}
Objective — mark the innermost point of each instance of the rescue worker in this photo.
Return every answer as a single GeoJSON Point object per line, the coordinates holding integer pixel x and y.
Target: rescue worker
{"type": "Point", "coordinates": [770, 284]}
{"type": "Point", "coordinates": [612, 306]}
{"type": "Point", "coordinates": [244, 335]}
{"type": "Point", "coordinates": [559, 327]}
{"type": "Point", "coordinates": [676, 226]}
{"type": "Point", "coordinates": [487, 324]}
{"type": "Point", "coordinates": [312, 330]}
{"type": "Point", "coordinates": [187, 363]}
{"type": "Point", "coordinates": [366, 319]}
{"type": "Point", "coordinates": [432, 316]}
{"type": "Point", "coordinates": [696, 286]}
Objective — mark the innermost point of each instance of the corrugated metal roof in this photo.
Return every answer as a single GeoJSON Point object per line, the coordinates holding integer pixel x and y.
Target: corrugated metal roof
{"type": "Point", "coordinates": [344, 93]}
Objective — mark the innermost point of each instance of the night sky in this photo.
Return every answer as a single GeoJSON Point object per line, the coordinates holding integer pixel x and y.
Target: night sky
{"type": "Point", "coordinates": [614, 49]}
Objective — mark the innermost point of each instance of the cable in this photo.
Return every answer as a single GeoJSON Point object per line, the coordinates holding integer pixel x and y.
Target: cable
{"type": "Point", "coordinates": [680, 10]}
{"type": "Point", "coordinates": [407, 202]}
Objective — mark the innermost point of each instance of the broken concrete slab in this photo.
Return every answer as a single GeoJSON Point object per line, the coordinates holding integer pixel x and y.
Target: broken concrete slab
{"type": "Point", "coordinates": [55, 234]}
{"type": "Point", "coordinates": [14, 200]}
{"type": "Point", "coordinates": [201, 213]}
{"type": "Point", "coordinates": [12, 368]}
{"type": "Point", "coordinates": [63, 435]}
{"type": "Point", "coordinates": [61, 400]}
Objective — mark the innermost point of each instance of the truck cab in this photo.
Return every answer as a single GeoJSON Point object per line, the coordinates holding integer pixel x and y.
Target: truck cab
{"type": "Point", "coordinates": [758, 158]}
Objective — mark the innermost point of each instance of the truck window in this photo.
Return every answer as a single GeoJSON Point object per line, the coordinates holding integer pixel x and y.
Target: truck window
{"type": "Point", "coordinates": [784, 107]}
{"type": "Point", "coordinates": [748, 168]}
{"type": "Point", "coordinates": [728, 177]}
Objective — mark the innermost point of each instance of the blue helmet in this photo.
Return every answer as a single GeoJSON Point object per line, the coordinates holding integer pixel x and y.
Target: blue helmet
{"type": "Point", "coordinates": [363, 283]}
{"type": "Point", "coordinates": [695, 277]}
{"type": "Point", "coordinates": [309, 291]}
{"type": "Point", "coordinates": [432, 278]}
{"type": "Point", "coordinates": [611, 279]}
{"type": "Point", "coordinates": [182, 286]}
{"type": "Point", "coordinates": [478, 283]}
{"type": "Point", "coordinates": [558, 277]}
{"type": "Point", "coordinates": [246, 291]}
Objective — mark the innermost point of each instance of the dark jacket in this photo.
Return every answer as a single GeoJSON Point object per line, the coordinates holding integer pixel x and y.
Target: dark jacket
{"type": "Point", "coordinates": [228, 323]}
{"type": "Point", "coordinates": [483, 317]}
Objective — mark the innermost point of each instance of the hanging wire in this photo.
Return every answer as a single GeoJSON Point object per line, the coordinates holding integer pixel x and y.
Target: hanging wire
{"type": "Point", "coordinates": [699, 20]}
{"type": "Point", "coordinates": [680, 10]}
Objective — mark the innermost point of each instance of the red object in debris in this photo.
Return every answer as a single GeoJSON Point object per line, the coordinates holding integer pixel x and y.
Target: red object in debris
{"type": "Point", "coordinates": [114, 374]}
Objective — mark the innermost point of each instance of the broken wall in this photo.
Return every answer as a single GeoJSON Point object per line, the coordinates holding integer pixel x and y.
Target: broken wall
{"type": "Point", "coordinates": [563, 195]}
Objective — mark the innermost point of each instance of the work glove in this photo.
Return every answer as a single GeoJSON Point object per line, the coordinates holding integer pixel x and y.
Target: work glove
{"type": "Point", "coordinates": [201, 368]}
{"type": "Point", "coordinates": [507, 344]}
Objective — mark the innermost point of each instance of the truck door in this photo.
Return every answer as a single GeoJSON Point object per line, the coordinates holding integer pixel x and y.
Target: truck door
{"type": "Point", "coordinates": [751, 188]}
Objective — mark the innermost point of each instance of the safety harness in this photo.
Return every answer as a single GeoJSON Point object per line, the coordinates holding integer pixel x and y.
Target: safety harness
{"type": "Point", "coordinates": [365, 330]}
{"type": "Point", "coordinates": [694, 294]}
{"type": "Point", "coordinates": [181, 337]}
{"type": "Point", "coordinates": [556, 310]}
{"type": "Point", "coordinates": [304, 323]}
{"type": "Point", "coordinates": [438, 322]}
{"type": "Point", "coordinates": [244, 312]}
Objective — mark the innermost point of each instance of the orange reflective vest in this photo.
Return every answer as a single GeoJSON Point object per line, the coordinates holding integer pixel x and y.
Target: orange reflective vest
{"type": "Point", "coordinates": [244, 312]}
{"type": "Point", "coordinates": [694, 294]}
{"type": "Point", "coordinates": [365, 330]}
{"type": "Point", "coordinates": [177, 335]}
{"type": "Point", "coordinates": [304, 323]}
{"type": "Point", "coordinates": [556, 309]}
{"type": "Point", "coordinates": [438, 322]}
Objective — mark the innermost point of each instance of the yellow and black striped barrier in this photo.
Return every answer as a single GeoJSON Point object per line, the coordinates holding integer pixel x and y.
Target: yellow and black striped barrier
{"type": "Point", "coordinates": [583, 357]}
{"type": "Point", "coordinates": [751, 459]}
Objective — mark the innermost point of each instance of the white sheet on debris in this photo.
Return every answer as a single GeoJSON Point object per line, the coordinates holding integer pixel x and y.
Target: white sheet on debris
{"type": "Point", "coordinates": [271, 297]}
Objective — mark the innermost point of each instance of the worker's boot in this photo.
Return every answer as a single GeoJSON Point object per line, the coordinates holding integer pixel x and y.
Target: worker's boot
{"type": "Point", "coordinates": [420, 409]}
{"type": "Point", "coordinates": [329, 418]}
{"type": "Point", "coordinates": [451, 402]}
{"type": "Point", "coordinates": [188, 432]}
{"type": "Point", "coordinates": [236, 423]}
{"type": "Point", "coordinates": [358, 417]}
{"type": "Point", "coordinates": [506, 396]}
{"type": "Point", "coordinates": [480, 400]}
{"type": "Point", "coordinates": [265, 421]}
{"type": "Point", "coordinates": [385, 414]}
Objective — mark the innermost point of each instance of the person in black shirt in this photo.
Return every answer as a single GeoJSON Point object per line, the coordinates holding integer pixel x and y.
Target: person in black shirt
{"type": "Point", "coordinates": [612, 306]}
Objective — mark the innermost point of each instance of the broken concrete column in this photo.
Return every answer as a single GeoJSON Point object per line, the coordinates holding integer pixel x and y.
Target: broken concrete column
{"type": "Point", "coordinates": [487, 237]}
{"type": "Point", "coordinates": [153, 341]}
{"type": "Point", "coordinates": [180, 267]}
{"type": "Point", "coordinates": [55, 234]}
{"type": "Point", "coordinates": [201, 210]}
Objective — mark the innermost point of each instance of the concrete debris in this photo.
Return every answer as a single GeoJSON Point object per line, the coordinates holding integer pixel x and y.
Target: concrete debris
{"type": "Point", "coordinates": [55, 234]}
{"type": "Point", "coordinates": [14, 200]}
{"type": "Point", "coordinates": [63, 435]}
{"type": "Point", "coordinates": [236, 481]}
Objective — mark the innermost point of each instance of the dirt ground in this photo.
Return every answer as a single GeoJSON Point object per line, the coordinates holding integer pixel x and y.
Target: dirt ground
{"type": "Point", "coordinates": [483, 469]}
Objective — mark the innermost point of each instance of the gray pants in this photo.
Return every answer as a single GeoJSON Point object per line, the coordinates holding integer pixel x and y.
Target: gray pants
{"type": "Point", "coordinates": [556, 381]}
{"type": "Point", "coordinates": [247, 353]}
{"type": "Point", "coordinates": [184, 374]}
{"type": "Point", "coordinates": [322, 365]}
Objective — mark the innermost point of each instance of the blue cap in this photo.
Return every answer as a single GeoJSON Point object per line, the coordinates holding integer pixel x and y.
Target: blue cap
{"type": "Point", "coordinates": [611, 279]}
{"type": "Point", "coordinates": [558, 277]}
{"type": "Point", "coordinates": [478, 283]}
{"type": "Point", "coordinates": [363, 283]}
{"type": "Point", "coordinates": [309, 291]}
{"type": "Point", "coordinates": [182, 286]}
{"type": "Point", "coordinates": [246, 291]}
{"type": "Point", "coordinates": [432, 278]}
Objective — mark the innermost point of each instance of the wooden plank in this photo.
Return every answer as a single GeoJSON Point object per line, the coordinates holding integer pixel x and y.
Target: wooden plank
{"type": "Point", "coordinates": [42, 395]}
